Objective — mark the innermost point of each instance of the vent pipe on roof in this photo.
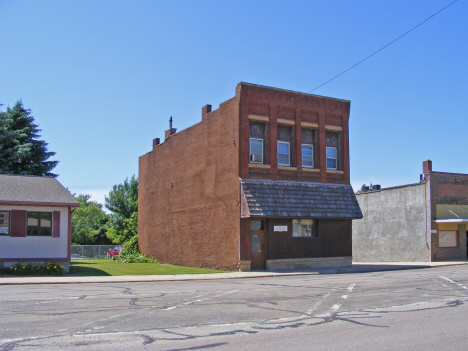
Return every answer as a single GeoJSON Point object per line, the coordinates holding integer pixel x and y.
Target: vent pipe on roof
{"type": "Point", "coordinates": [171, 130]}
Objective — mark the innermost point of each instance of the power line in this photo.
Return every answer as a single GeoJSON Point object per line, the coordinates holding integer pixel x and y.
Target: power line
{"type": "Point", "coordinates": [366, 58]}
{"type": "Point", "coordinates": [382, 48]}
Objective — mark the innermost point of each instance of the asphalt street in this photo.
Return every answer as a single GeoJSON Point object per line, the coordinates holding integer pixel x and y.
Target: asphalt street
{"type": "Point", "coordinates": [420, 309]}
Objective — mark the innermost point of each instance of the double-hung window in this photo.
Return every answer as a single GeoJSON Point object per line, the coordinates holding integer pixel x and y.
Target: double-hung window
{"type": "Point", "coordinates": [256, 150]}
{"type": "Point", "coordinates": [284, 153]}
{"type": "Point", "coordinates": [332, 161]}
{"type": "Point", "coordinates": [39, 224]}
{"type": "Point", "coordinates": [307, 147]}
{"type": "Point", "coordinates": [258, 144]}
{"type": "Point", "coordinates": [285, 145]}
{"type": "Point", "coordinates": [333, 150]}
{"type": "Point", "coordinates": [307, 156]}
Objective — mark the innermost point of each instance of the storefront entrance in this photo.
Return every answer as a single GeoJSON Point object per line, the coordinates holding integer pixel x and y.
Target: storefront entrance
{"type": "Point", "coordinates": [257, 245]}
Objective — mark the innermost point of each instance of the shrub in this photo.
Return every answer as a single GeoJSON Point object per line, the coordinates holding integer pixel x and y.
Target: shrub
{"type": "Point", "coordinates": [49, 268]}
{"type": "Point", "coordinates": [131, 254]}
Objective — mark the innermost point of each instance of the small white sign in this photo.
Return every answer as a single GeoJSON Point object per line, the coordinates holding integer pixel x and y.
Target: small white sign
{"type": "Point", "coordinates": [280, 228]}
{"type": "Point", "coordinates": [433, 231]}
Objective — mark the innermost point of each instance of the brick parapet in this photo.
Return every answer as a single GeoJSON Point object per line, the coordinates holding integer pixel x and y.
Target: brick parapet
{"type": "Point", "coordinates": [293, 108]}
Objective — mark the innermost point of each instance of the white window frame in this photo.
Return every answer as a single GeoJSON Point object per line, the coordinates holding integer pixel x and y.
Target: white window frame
{"type": "Point", "coordinates": [288, 154]}
{"type": "Point", "coordinates": [448, 238]}
{"type": "Point", "coordinates": [251, 153]}
{"type": "Point", "coordinates": [312, 152]}
{"type": "Point", "coordinates": [332, 158]}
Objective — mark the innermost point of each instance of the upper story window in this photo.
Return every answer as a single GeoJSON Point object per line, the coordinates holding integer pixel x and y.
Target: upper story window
{"type": "Point", "coordinates": [4, 223]}
{"type": "Point", "coordinates": [307, 148]}
{"type": "Point", "coordinates": [39, 224]}
{"type": "Point", "coordinates": [285, 145]}
{"type": "Point", "coordinates": [258, 142]}
{"type": "Point", "coordinates": [284, 155]}
{"type": "Point", "coordinates": [331, 158]}
{"type": "Point", "coordinates": [256, 150]}
{"type": "Point", "coordinates": [333, 151]}
{"type": "Point", "coordinates": [307, 156]}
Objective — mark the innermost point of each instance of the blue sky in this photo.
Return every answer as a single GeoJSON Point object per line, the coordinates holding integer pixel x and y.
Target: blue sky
{"type": "Point", "coordinates": [103, 77]}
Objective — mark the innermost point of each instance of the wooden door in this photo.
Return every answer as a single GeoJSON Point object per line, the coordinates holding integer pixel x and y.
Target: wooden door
{"type": "Point", "coordinates": [257, 247]}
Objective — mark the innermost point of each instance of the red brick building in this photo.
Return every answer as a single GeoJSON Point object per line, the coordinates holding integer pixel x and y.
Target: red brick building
{"type": "Point", "coordinates": [261, 182]}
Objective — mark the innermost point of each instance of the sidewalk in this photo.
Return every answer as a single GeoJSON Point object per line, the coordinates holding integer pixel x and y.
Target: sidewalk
{"type": "Point", "coordinates": [361, 267]}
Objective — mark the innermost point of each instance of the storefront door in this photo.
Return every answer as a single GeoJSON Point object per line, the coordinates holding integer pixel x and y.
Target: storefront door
{"type": "Point", "coordinates": [257, 245]}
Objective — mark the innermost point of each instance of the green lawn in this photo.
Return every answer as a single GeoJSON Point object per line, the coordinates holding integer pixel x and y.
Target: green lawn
{"type": "Point", "coordinates": [95, 267]}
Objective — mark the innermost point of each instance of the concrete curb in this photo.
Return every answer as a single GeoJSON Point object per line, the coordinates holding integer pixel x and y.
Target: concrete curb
{"type": "Point", "coordinates": [362, 267]}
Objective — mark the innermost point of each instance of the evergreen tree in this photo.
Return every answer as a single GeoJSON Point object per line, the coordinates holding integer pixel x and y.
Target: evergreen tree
{"type": "Point", "coordinates": [21, 151]}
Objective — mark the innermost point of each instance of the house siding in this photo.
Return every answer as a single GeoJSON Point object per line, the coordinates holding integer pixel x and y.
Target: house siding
{"type": "Point", "coordinates": [29, 247]}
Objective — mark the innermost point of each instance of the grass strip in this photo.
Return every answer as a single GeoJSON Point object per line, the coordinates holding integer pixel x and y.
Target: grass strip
{"type": "Point", "coordinates": [103, 267]}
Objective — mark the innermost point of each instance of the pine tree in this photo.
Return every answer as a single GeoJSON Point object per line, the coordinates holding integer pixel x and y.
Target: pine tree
{"type": "Point", "coordinates": [21, 151]}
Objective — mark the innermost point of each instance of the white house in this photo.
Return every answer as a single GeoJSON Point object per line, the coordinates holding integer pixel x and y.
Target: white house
{"type": "Point", "coordinates": [35, 220]}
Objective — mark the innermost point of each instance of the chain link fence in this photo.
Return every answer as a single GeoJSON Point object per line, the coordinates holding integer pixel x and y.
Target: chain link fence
{"type": "Point", "coordinates": [90, 251]}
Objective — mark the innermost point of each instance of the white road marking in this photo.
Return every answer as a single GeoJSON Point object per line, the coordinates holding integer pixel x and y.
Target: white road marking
{"type": "Point", "coordinates": [337, 306]}
{"type": "Point", "coordinates": [317, 304]}
{"type": "Point", "coordinates": [453, 282]}
{"type": "Point", "coordinates": [198, 300]}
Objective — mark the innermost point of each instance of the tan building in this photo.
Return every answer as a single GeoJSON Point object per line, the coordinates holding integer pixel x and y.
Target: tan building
{"type": "Point", "coordinates": [426, 221]}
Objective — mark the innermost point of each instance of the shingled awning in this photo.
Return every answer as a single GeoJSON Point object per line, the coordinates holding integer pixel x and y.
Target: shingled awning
{"type": "Point", "coordinates": [265, 198]}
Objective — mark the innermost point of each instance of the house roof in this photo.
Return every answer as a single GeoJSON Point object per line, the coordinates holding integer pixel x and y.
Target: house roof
{"type": "Point", "coordinates": [32, 190]}
{"type": "Point", "coordinates": [298, 199]}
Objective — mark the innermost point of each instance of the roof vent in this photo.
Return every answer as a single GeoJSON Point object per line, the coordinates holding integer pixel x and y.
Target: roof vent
{"type": "Point", "coordinates": [171, 130]}
{"type": "Point", "coordinates": [365, 188]}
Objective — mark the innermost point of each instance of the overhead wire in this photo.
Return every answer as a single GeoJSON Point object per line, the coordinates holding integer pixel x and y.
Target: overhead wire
{"type": "Point", "coordinates": [366, 58]}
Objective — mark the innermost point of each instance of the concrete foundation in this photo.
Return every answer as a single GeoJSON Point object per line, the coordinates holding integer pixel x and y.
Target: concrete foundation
{"type": "Point", "coordinates": [309, 263]}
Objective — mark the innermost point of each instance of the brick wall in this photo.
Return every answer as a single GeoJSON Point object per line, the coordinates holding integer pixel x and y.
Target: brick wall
{"type": "Point", "coordinates": [447, 188]}
{"type": "Point", "coordinates": [281, 107]}
{"type": "Point", "coordinates": [188, 194]}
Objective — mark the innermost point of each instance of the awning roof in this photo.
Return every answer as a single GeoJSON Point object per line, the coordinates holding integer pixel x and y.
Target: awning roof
{"type": "Point", "coordinates": [265, 198]}
{"type": "Point", "coordinates": [460, 220]}
{"type": "Point", "coordinates": [448, 213]}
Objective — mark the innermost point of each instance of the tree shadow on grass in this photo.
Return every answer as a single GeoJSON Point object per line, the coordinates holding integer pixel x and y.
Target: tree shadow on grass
{"type": "Point", "coordinates": [82, 270]}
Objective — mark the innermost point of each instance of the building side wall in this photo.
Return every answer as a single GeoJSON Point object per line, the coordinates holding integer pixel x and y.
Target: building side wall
{"type": "Point", "coordinates": [189, 193]}
{"type": "Point", "coordinates": [276, 107]}
{"type": "Point", "coordinates": [448, 189]}
{"type": "Point", "coordinates": [36, 247]}
{"type": "Point", "coordinates": [395, 226]}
